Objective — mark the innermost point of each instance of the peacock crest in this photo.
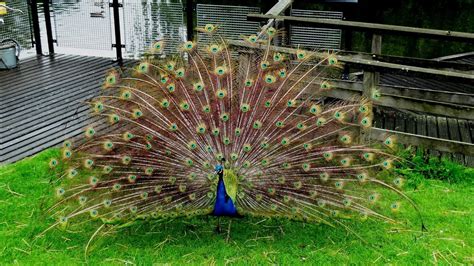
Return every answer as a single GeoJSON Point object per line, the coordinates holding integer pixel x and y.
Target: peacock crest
{"type": "Point", "coordinates": [173, 130]}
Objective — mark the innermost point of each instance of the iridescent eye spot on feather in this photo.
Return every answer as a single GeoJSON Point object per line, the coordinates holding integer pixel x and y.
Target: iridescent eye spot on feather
{"type": "Point", "coordinates": [285, 141]}
{"type": "Point", "coordinates": [225, 117]}
{"type": "Point", "coordinates": [252, 39]}
{"type": "Point", "coordinates": [387, 164]}
{"type": "Point", "coordinates": [339, 184]}
{"type": "Point", "coordinates": [398, 182]}
{"type": "Point", "coordinates": [339, 116]}
{"type": "Point", "coordinates": [301, 54]}
{"type": "Point", "coordinates": [206, 109]}
{"type": "Point", "coordinates": [315, 109]}
{"type": "Point", "coordinates": [60, 192]}
{"type": "Point", "coordinates": [188, 46]}
{"type": "Point", "coordinates": [126, 95]}
{"type": "Point", "coordinates": [90, 132]}
{"type": "Point", "coordinates": [82, 200]}
{"type": "Point", "coordinates": [248, 83]}
{"type": "Point", "coordinates": [280, 124]}
{"type": "Point", "coordinates": [53, 163]}
{"type": "Point", "coordinates": [268, 104]}
{"type": "Point", "coordinates": [264, 65]}
{"type": "Point", "coordinates": [345, 139]}
{"type": "Point", "coordinates": [237, 131]}
{"type": "Point", "coordinates": [221, 94]}
{"type": "Point", "coordinates": [158, 46]}
{"type": "Point", "coordinates": [171, 87]}
{"type": "Point", "coordinates": [328, 155]}
{"type": "Point", "coordinates": [277, 57]}
{"type": "Point", "coordinates": [170, 65]}
{"type": "Point", "coordinates": [376, 94]}
{"type": "Point", "coordinates": [165, 103]}
{"type": "Point", "coordinates": [247, 147]}
{"type": "Point", "coordinates": [291, 103]}
{"type": "Point", "coordinates": [143, 68]}
{"type": "Point", "coordinates": [234, 156]}
{"type": "Point", "coordinates": [306, 167]}
{"type": "Point", "coordinates": [88, 163]}
{"type": "Point", "coordinates": [198, 86]}
{"type": "Point", "coordinates": [184, 106]}
{"type": "Point", "coordinates": [245, 107]}
{"type": "Point", "coordinates": [136, 113]}
{"type": "Point", "coordinates": [395, 206]}
{"type": "Point", "coordinates": [264, 145]}
{"type": "Point", "coordinates": [220, 70]}
{"type": "Point", "coordinates": [226, 140]}
{"type": "Point", "coordinates": [332, 60]}
{"type": "Point", "coordinates": [301, 126]}
{"type": "Point", "coordinates": [307, 146]}
{"type": "Point", "coordinates": [271, 31]}
{"type": "Point", "coordinates": [324, 177]}
{"type": "Point", "coordinates": [180, 72]}
{"type": "Point", "coordinates": [126, 160]}
{"type": "Point", "coordinates": [282, 73]}
{"type": "Point", "coordinates": [320, 121]}
{"type": "Point", "coordinates": [209, 28]}
{"type": "Point", "coordinates": [173, 127]}
{"type": "Point", "coordinates": [390, 142]}
{"type": "Point", "coordinates": [98, 107]}
{"type": "Point", "coordinates": [368, 156]}
{"type": "Point", "coordinates": [325, 85]}
{"type": "Point", "coordinates": [192, 145]}
{"type": "Point", "coordinates": [127, 136]}
{"type": "Point", "coordinates": [93, 181]}
{"type": "Point", "coordinates": [257, 124]}
{"type": "Point", "coordinates": [346, 161]}
{"type": "Point", "coordinates": [148, 171]}
{"type": "Point", "coordinates": [111, 80]}
{"type": "Point", "coordinates": [107, 169]}
{"type": "Point", "coordinates": [201, 128]}
{"type": "Point", "coordinates": [366, 122]}
{"type": "Point", "coordinates": [216, 131]}
{"type": "Point", "coordinates": [67, 153]}
{"type": "Point", "coordinates": [270, 79]}
{"type": "Point", "coordinates": [114, 118]}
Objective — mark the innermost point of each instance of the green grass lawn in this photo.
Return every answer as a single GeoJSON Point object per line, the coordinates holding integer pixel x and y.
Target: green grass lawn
{"type": "Point", "coordinates": [25, 193]}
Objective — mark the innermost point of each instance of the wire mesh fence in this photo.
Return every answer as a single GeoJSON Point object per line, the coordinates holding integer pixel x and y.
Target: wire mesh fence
{"type": "Point", "coordinates": [146, 22]}
{"type": "Point", "coordinates": [16, 24]}
{"type": "Point", "coordinates": [82, 24]}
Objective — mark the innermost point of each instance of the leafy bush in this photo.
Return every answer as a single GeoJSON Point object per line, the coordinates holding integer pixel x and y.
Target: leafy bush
{"type": "Point", "coordinates": [418, 165]}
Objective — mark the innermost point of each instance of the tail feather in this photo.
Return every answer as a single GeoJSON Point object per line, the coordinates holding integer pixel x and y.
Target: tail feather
{"type": "Point", "coordinates": [293, 152]}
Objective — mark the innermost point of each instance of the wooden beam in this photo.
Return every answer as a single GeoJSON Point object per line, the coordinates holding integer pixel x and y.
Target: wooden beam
{"type": "Point", "coordinates": [426, 142]}
{"type": "Point", "coordinates": [276, 10]}
{"type": "Point", "coordinates": [372, 27]}
{"type": "Point", "coordinates": [386, 67]}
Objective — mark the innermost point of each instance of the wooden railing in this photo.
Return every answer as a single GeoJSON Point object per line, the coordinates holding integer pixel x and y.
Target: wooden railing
{"type": "Point", "coordinates": [440, 103]}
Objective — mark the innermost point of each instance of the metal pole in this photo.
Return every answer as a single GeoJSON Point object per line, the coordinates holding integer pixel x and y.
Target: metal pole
{"type": "Point", "coordinates": [36, 28]}
{"type": "Point", "coordinates": [118, 40]}
{"type": "Point", "coordinates": [190, 19]}
{"type": "Point", "coordinates": [49, 31]}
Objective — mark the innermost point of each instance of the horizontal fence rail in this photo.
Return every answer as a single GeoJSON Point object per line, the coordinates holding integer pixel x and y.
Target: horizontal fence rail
{"type": "Point", "coordinates": [371, 27]}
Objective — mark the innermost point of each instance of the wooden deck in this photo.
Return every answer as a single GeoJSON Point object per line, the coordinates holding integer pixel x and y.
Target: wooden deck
{"type": "Point", "coordinates": [41, 102]}
{"type": "Point", "coordinates": [41, 105]}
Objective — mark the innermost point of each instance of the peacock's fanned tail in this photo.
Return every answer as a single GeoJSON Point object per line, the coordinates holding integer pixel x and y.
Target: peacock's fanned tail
{"type": "Point", "coordinates": [170, 121]}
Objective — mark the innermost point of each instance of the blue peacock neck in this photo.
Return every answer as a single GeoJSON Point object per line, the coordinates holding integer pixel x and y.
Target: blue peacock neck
{"type": "Point", "coordinates": [224, 205]}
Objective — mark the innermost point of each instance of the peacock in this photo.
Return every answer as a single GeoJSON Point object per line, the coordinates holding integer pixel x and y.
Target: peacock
{"type": "Point", "coordinates": [216, 130]}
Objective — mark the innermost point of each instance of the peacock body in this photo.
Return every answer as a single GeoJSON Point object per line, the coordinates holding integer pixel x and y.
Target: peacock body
{"type": "Point", "coordinates": [211, 132]}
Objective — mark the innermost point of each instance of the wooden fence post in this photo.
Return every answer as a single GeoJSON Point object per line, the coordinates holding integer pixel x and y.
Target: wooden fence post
{"type": "Point", "coordinates": [371, 81]}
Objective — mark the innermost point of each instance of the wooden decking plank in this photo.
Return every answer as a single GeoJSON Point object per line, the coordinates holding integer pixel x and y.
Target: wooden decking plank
{"type": "Point", "coordinates": [411, 124]}
{"type": "Point", "coordinates": [443, 132]}
{"type": "Point", "coordinates": [400, 120]}
{"type": "Point", "coordinates": [46, 67]}
{"type": "Point", "coordinates": [454, 134]}
{"type": "Point", "coordinates": [466, 137]}
{"type": "Point", "coordinates": [17, 76]}
{"type": "Point", "coordinates": [67, 87]}
{"type": "Point", "coordinates": [33, 124]}
{"type": "Point", "coordinates": [25, 68]}
{"type": "Point", "coordinates": [43, 80]}
{"type": "Point", "coordinates": [432, 132]}
{"type": "Point", "coordinates": [48, 141]}
{"type": "Point", "coordinates": [378, 118]}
